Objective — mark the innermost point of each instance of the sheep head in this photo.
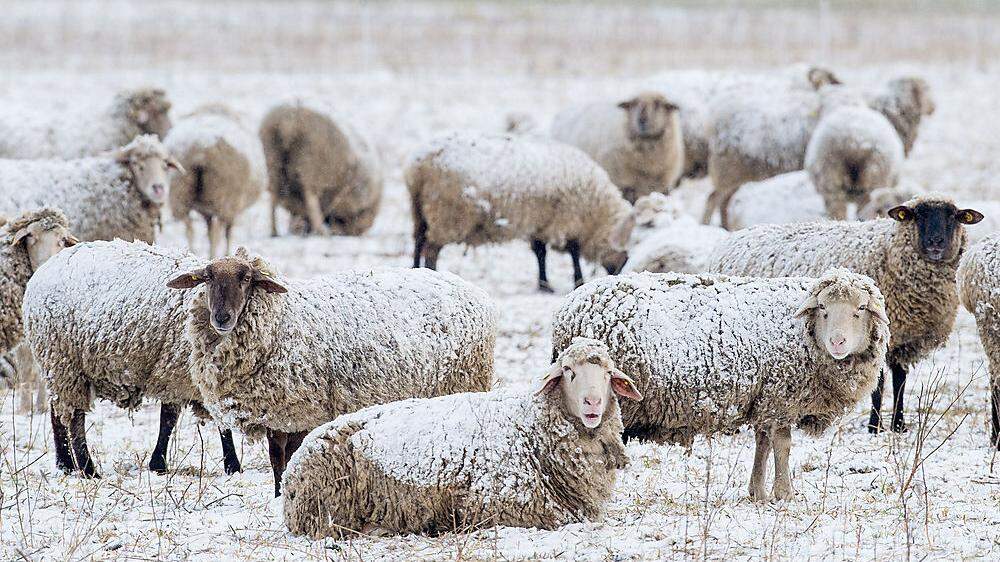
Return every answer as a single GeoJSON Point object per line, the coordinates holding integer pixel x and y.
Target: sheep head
{"type": "Point", "coordinates": [148, 110]}
{"type": "Point", "coordinates": [649, 115]}
{"type": "Point", "coordinates": [845, 312]}
{"type": "Point", "coordinates": [43, 232]}
{"type": "Point", "coordinates": [589, 380]}
{"type": "Point", "coordinates": [819, 77]}
{"type": "Point", "coordinates": [936, 226]}
{"type": "Point", "coordinates": [149, 163]}
{"type": "Point", "coordinates": [230, 281]}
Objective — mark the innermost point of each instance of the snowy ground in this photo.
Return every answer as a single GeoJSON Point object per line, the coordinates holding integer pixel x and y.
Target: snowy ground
{"type": "Point", "coordinates": [860, 497]}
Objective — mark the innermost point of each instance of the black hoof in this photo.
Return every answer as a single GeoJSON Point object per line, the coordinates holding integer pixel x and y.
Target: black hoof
{"type": "Point", "coordinates": [899, 426]}
{"type": "Point", "coordinates": [159, 466]}
{"type": "Point", "coordinates": [544, 287]}
{"type": "Point", "coordinates": [232, 467]}
{"type": "Point", "coordinates": [90, 473]}
{"type": "Point", "coordinates": [65, 467]}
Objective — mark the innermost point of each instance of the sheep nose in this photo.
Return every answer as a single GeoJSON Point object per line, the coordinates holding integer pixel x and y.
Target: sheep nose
{"type": "Point", "coordinates": [838, 340]}
{"type": "Point", "coordinates": [222, 317]}
{"type": "Point", "coordinates": [592, 401]}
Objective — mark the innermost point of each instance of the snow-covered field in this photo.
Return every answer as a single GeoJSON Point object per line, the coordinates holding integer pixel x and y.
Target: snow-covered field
{"type": "Point", "coordinates": [859, 496]}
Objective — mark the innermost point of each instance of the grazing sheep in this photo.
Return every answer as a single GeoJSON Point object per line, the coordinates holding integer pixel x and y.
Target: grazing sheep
{"type": "Point", "coordinates": [225, 172]}
{"type": "Point", "coordinates": [979, 289]}
{"type": "Point", "coordinates": [321, 170]}
{"type": "Point", "coordinates": [637, 141]}
{"type": "Point", "coordinates": [912, 258]}
{"type": "Point", "coordinates": [28, 133]}
{"type": "Point", "coordinates": [904, 102]}
{"type": "Point", "coordinates": [114, 196]}
{"type": "Point", "coordinates": [488, 458]}
{"type": "Point", "coordinates": [853, 151]}
{"type": "Point", "coordinates": [282, 357]}
{"type": "Point", "coordinates": [884, 199]}
{"type": "Point", "coordinates": [665, 239]}
{"type": "Point", "coordinates": [544, 192]}
{"type": "Point", "coordinates": [785, 198]}
{"type": "Point", "coordinates": [712, 354]}
{"type": "Point", "coordinates": [102, 324]}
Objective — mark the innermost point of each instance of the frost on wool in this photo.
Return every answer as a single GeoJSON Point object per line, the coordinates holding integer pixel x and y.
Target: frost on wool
{"type": "Point", "coordinates": [666, 239]}
{"type": "Point", "coordinates": [204, 129]}
{"type": "Point", "coordinates": [782, 199]}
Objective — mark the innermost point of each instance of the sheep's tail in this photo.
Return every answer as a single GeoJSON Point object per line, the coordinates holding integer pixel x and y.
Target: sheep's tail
{"type": "Point", "coordinates": [414, 184]}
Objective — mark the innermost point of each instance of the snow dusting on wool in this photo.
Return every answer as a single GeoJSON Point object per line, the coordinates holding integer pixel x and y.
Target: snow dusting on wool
{"type": "Point", "coordinates": [785, 198]}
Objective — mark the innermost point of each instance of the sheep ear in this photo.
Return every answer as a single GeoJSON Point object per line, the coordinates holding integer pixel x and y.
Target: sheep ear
{"type": "Point", "coordinates": [187, 280]}
{"type": "Point", "coordinates": [173, 163]}
{"type": "Point", "coordinates": [265, 281]}
{"type": "Point", "coordinates": [627, 104]}
{"type": "Point", "coordinates": [901, 213]}
{"type": "Point", "coordinates": [624, 386]}
{"type": "Point", "coordinates": [810, 303]}
{"type": "Point", "coordinates": [878, 311]}
{"type": "Point", "coordinates": [120, 155]}
{"type": "Point", "coordinates": [20, 235]}
{"type": "Point", "coordinates": [669, 106]}
{"type": "Point", "coordinates": [969, 216]}
{"type": "Point", "coordinates": [551, 380]}
{"type": "Point", "coordinates": [70, 240]}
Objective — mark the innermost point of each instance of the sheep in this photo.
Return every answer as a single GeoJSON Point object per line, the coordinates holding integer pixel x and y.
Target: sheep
{"type": "Point", "coordinates": [781, 199]}
{"type": "Point", "coordinates": [101, 324]}
{"type": "Point", "coordinates": [883, 199]}
{"type": "Point", "coordinates": [500, 458]}
{"type": "Point", "coordinates": [30, 134]}
{"type": "Point", "coordinates": [912, 258]}
{"type": "Point", "coordinates": [665, 239]}
{"type": "Point", "coordinates": [904, 102]}
{"type": "Point", "coordinates": [853, 151]}
{"type": "Point", "coordinates": [711, 354]}
{"type": "Point", "coordinates": [990, 222]}
{"type": "Point", "coordinates": [637, 141]}
{"type": "Point", "coordinates": [544, 192]}
{"type": "Point", "coordinates": [118, 195]}
{"type": "Point", "coordinates": [321, 170]}
{"type": "Point", "coordinates": [225, 172]}
{"type": "Point", "coordinates": [25, 244]}
{"type": "Point", "coordinates": [519, 122]}
{"type": "Point", "coordinates": [979, 289]}
{"type": "Point", "coordinates": [280, 357]}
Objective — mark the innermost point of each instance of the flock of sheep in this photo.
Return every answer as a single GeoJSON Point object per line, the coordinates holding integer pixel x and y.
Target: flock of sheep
{"type": "Point", "coordinates": [374, 389]}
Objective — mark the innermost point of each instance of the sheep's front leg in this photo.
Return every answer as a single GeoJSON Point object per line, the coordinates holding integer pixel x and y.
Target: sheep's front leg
{"type": "Point", "coordinates": [168, 420]}
{"type": "Point", "coordinates": [60, 434]}
{"type": "Point", "coordinates": [538, 247]}
{"type": "Point", "coordinates": [710, 203]}
{"type": "Point", "coordinates": [781, 438]}
{"type": "Point", "coordinates": [276, 442]}
{"type": "Point", "coordinates": [759, 474]}
{"type": "Point", "coordinates": [898, 389]}
{"type": "Point", "coordinates": [78, 433]}
{"type": "Point", "coordinates": [230, 461]}
{"type": "Point", "coordinates": [573, 247]}
{"type": "Point", "coordinates": [875, 418]}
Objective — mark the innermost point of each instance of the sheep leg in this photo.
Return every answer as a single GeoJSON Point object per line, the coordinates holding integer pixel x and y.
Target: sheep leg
{"type": "Point", "coordinates": [276, 442]}
{"type": "Point", "coordinates": [60, 434]}
{"type": "Point", "coordinates": [419, 241]}
{"type": "Point", "coordinates": [229, 237]}
{"type": "Point", "coordinates": [78, 433]}
{"type": "Point", "coordinates": [274, 216]}
{"type": "Point", "coordinates": [215, 228]}
{"type": "Point", "coordinates": [573, 247]}
{"type": "Point", "coordinates": [431, 252]}
{"type": "Point", "coordinates": [230, 460]}
{"type": "Point", "coordinates": [710, 204]}
{"type": "Point", "coordinates": [315, 215]}
{"type": "Point", "coordinates": [782, 440]}
{"type": "Point", "coordinates": [189, 233]}
{"type": "Point", "coordinates": [875, 418]}
{"type": "Point", "coordinates": [837, 209]}
{"type": "Point", "coordinates": [538, 247]}
{"type": "Point", "coordinates": [898, 389]}
{"type": "Point", "coordinates": [168, 420]}
{"type": "Point", "coordinates": [294, 442]}
{"type": "Point", "coordinates": [724, 210]}
{"type": "Point", "coordinates": [759, 473]}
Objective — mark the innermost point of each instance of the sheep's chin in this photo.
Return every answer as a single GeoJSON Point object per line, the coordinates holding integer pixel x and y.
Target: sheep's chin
{"type": "Point", "coordinates": [591, 420]}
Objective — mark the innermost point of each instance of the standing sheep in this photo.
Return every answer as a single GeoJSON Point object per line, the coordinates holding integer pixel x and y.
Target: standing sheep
{"type": "Point", "coordinates": [225, 172]}
{"type": "Point", "coordinates": [106, 197]}
{"type": "Point", "coordinates": [853, 151]}
{"type": "Point", "coordinates": [979, 288]}
{"type": "Point", "coordinates": [637, 141]}
{"type": "Point", "coordinates": [91, 131]}
{"type": "Point", "coordinates": [321, 170]}
{"type": "Point", "coordinates": [543, 460]}
{"type": "Point", "coordinates": [102, 324]}
{"type": "Point", "coordinates": [712, 354]}
{"type": "Point", "coordinates": [479, 189]}
{"type": "Point", "coordinates": [905, 102]}
{"type": "Point", "coordinates": [280, 357]}
{"type": "Point", "coordinates": [912, 258]}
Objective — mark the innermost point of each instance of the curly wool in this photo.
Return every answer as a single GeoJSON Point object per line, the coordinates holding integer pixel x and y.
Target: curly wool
{"type": "Point", "coordinates": [712, 353]}
{"type": "Point", "coordinates": [543, 190]}
{"type": "Point", "coordinates": [782, 199]}
{"type": "Point", "coordinates": [666, 239]}
{"type": "Point", "coordinates": [308, 148]}
{"type": "Point", "coordinates": [464, 460]}
{"type": "Point", "coordinates": [904, 102]}
{"type": "Point", "coordinates": [979, 288]}
{"type": "Point", "coordinates": [26, 132]}
{"type": "Point", "coordinates": [333, 345]}
{"type": "Point", "coordinates": [102, 324]}
{"type": "Point", "coordinates": [921, 299]}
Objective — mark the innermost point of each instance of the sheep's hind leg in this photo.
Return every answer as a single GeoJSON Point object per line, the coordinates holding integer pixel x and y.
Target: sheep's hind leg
{"type": "Point", "coordinates": [759, 474]}
{"type": "Point", "coordinates": [573, 247]}
{"type": "Point", "coordinates": [168, 420]}
{"type": "Point", "coordinates": [78, 433]}
{"type": "Point", "coordinates": [710, 203]}
{"type": "Point", "coordinates": [898, 390]}
{"type": "Point", "coordinates": [60, 434]}
{"type": "Point", "coordinates": [538, 247]}
{"type": "Point", "coordinates": [782, 441]}
{"type": "Point", "coordinates": [431, 252]}
{"type": "Point", "coordinates": [230, 460]}
{"type": "Point", "coordinates": [875, 418]}
{"type": "Point", "coordinates": [276, 442]}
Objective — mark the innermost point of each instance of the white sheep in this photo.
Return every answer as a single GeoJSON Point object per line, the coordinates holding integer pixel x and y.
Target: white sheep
{"type": "Point", "coordinates": [979, 288]}
{"type": "Point", "coordinates": [496, 458]}
{"type": "Point", "coordinates": [474, 189]}
{"type": "Point", "coordinates": [884, 199]}
{"type": "Point", "coordinates": [101, 324]}
{"type": "Point", "coordinates": [904, 102]}
{"type": "Point", "coordinates": [85, 130]}
{"type": "Point", "coordinates": [225, 173]}
{"type": "Point", "coordinates": [322, 170]}
{"type": "Point", "coordinates": [280, 357]}
{"type": "Point", "coordinates": [785, 198]}
{"type": "Point", "coordinates": [853, 151]}
{"type": "Point", "coordinates": [712, 354]}
{"type": "Point", "coordinates": [637, 141]}
{"type": "Point", "coordinates": [667, 239]}
{"type": "Point", "coordinates": [118, 195]}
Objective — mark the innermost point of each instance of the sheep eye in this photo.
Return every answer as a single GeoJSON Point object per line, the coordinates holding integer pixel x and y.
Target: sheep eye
{"type": "Point", "coordinates": [825, 315]}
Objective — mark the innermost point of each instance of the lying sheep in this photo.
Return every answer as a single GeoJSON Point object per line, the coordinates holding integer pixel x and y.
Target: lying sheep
{"type": "Point", "coordinates": [637, 141]}
{"type": "Point", "coordinates": [793, 352]}
{"type": "Point", "coordinates": [853, 151]}
{"type": "Point", "coordinates": [547, 193]}
{"type": "Point", "coordinates": [282, 357]}
{"type": "Point", "coordinates": [102, 325]}
{"type": "Point", "coordinates": [88, 132]}
{"type": "Point", "coordinates": [785, 198]}
{"type": "Point", "coordinates": [905, 102]}
{"type": "Point", "coordinates": [665, 239]}
{"type": "Point", "coordinates": [884, 199]}
{"type": "Point", "coordinates": [487, 458]}
{"type": "Point", "coordinates": [114, 196]}
{"type": "Point", "coordinates": [321, 170]}
{"type": "Point", "coordinates": [979, 288]}
{"type": "Point", "coordinates": [912, 258]}
{"type": "Point", "coordinates": [225, 172]}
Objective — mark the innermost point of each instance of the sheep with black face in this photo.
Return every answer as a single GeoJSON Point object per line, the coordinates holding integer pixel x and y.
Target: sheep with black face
{"type": "Point", "coordinates": [912, 256]}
